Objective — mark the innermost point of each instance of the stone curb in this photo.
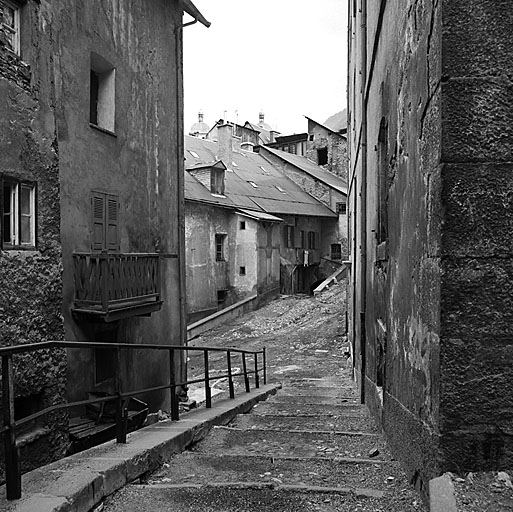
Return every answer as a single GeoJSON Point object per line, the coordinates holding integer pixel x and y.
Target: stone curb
{"type": "Point", "coordinates": [441, 495]}
{"type": "Point", "coordinates": [79, 482]}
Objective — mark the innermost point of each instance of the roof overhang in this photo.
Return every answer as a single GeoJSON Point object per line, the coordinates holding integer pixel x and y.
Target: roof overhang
{"type": "Point", "coordinates": [259, 215]}
{"type": "Point", "coordinates": [193, 11]}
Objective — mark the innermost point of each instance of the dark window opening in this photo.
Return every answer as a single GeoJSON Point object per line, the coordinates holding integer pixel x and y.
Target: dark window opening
{"type": "Point", "coordinates": [101, 93]}
{"type": "Point", "coordinates": [303, 239]}
{"type": "Point", "coordinates": [311, 240]}
{"type": "Point", "coordinates": [242, 271]}
{"type": "Point", "coordinates": [289, 236]}
{"type": "Point", "coordinates": [221, 298]}
{"type": "Point", "coordinates": [242, 224]}
{"type": "Point", "coordinates": [217, 181]}
{"type": "Point", "coordinates": [311, 138]}
{"type": "Point", "coordinates": [322, 156]}
{"type": "Point", "coordinates": [336, 251]}
{"type": "Point", "coordinates": [341, 208]}
{"type": "Point", "coordinates": [93, 98]}
{"type": "Point", "coordinates": [383, 181]}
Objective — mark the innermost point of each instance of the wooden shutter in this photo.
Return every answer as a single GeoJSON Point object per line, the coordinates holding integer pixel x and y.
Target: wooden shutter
{"type": "Point", "coordinates": [112, 224]}
{"type": "Point", "coordinates": [98, 222]}
{"type": "Point", "coordinates": [317, 240]}
{"type": "Point", "coordinates": [297, 238]}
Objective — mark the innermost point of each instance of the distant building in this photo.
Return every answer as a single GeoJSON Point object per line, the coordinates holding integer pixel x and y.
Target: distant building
{"type": "Point", "coordinates": [431, 219]}
{"type": "Point", "coordinates": [199, 129]}
{"type": "Point", "coordinates": [250, 230]}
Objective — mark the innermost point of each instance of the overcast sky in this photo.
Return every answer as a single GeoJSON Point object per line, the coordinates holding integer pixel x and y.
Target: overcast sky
{"type": "Point", "coordinates": [284, 57]}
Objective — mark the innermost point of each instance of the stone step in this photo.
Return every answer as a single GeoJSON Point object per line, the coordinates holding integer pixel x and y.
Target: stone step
{"type": "Point", "coordinates": [235, 497]}
{"type": "Point", "coordinates": [313, 400]}
{"type": "Point", "coordinates": [333, 423]}
{"type": "Point", "coordinates": [289, 409]}
{"type": "Point", "coordinates": [226, 440]}
{"type": "Point", "coordinates": [324, 391]}
{"type": "Point", "coordinates": [194, 468]}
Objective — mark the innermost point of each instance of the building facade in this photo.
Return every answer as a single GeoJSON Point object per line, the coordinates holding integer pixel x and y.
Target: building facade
{"type": "Point", "coordinates": [430, 202]}
{"type": "Point", "coordinates": [91, 163]}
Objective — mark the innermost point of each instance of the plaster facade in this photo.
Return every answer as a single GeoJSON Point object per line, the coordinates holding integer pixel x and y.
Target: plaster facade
{"type": "Point", "coordinates": [430, 238]}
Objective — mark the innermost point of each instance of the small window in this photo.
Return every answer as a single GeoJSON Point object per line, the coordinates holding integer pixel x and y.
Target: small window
{"type": "Point", "coordinates": [242, 271]}
{"type": "Point", "coordinates": [280, 189]}
{"type": "Point", "coordinates": [292, 149]}
{"type": "Point", "coordinates": [253, 184]}
{"type": "Point", "coordinates": [341, 208]}
{"type": "Point", "coordinates": [193, 153]}
{"type": "Point", "coordinates": [311, 240]}
{"type": "Point", "coordinates": [219, 240]}
{"type": "Point", "coordinates": [322, 156]}
{"type": "Point", "coordinates": [289, 236]}
{"type": "Point", "coordinates": [311, 137]}
{"type": "Point", "coordinates": [336, 251]}
{"type": "Point", "coordinates": [242, 225]}
{"type": "Point", "coordinates": [221, 298]}
{"type": "Point", "coordinates": [18, 214]}
{"type": "Point", "coordinates": [102, 104]}
{"type": "Point", "coordinates": [11, 26]}
{"type": "Point", "coordinates": [303, 239]}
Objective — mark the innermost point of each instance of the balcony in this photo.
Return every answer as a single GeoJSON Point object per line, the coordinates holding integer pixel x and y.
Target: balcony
{"type": "Point", "coordinates": [109, 287]}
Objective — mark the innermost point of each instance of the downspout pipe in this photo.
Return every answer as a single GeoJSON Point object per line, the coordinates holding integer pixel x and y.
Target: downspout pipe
{"type": "Point", "coordinates": [363, 201]}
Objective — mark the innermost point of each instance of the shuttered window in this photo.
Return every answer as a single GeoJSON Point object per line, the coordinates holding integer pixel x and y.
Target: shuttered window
{"type": "Point", "coordinates": [105, 222]}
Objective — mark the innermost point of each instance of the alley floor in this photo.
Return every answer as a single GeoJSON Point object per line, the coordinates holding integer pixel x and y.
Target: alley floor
{"type": "Point", "coordinates": [312, 447]}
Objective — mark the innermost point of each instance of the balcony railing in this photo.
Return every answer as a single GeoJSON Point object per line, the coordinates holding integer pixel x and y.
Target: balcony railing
{"type": "Point", "coordinates": [114, 286]}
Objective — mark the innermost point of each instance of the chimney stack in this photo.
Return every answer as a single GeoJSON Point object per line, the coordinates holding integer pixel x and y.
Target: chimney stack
{"type": "Point", "coordinates": [261, 119]}
{"type": "Point", "coordinates": [200, 116]}
{"type": "Point", "coordinates": [224, 144]}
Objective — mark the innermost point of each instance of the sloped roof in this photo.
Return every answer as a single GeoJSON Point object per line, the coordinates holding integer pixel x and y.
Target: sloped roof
{"type": "Point", "coordinates": [310, 168]}
{"type": "Point", "coordinates": [193, 11]}
{"type": "Point", "coordinates": [251, 183]}
{"type": "Point", "coordinates": [259, 215]}
{"type": "Point", "coordinates": [343, 135]}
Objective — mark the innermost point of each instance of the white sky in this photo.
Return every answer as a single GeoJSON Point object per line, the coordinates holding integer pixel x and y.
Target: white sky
{"type": "Point", "coordinates": [285, 57]}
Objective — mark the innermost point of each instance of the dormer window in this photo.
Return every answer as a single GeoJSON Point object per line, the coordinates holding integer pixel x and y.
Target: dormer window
{"type": "Point", "coordinates": [217, 181]}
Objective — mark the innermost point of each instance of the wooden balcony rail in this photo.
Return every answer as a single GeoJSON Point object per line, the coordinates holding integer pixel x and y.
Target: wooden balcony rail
{"type": "Point", "coordinates": [12, 457]}
{"type": "Point", "coordinates": [114, 286]}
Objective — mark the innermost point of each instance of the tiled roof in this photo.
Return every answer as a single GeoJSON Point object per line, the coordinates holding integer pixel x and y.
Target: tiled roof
{"type": "Point", "coordinates": [309, 167]}
{"type": "Point", "coordinates": [251, 183]}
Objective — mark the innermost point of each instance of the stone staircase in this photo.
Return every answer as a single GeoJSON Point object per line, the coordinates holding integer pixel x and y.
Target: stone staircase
{"type": "Point", "coordinates": [312, 447]}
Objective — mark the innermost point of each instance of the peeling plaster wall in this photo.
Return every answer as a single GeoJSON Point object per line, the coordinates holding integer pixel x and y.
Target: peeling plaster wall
{"type": "Point", "coordinates": [30, 281]}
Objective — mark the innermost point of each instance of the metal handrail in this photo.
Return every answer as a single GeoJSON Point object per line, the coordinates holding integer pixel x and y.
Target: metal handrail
{"type": "Point", "coordinates": [12, 459]}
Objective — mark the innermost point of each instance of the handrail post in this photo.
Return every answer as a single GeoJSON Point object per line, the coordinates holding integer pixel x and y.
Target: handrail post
{"type": "Point", "coordinates": [264, 362]}
{"type": "Point", "coordinates": [121, 415]}
{"type": "Point", "coordinates": [104, 281]}
{"type": "Point", "coordinates": [257, 379]}
{"type": "Point", "coordinates": [245, 370]}
{"type": "Point", "coordinates": [208, 391]}
{"type": "Point", "coordinates": [12, 460]}
{"type": "Point", "coordinates": [230, 377]}
{"type": "Point", "coordinates": [175, 413]}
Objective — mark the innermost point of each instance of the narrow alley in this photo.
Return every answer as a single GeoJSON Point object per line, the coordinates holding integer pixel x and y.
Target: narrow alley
{"type": "Point", "coordinates": [311, 447]}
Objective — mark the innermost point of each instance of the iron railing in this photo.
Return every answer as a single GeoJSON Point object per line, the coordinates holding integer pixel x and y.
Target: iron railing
{"type": "Point", "coordinates": [12, 458]}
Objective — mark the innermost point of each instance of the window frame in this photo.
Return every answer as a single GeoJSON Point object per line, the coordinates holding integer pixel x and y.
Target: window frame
{"type": "Point", "coordinates": [311, 238]}
{"type": "Point", "coordinates": [17, 215]}
{"type": "Point", "coordinates": [242, 270]}
{"type": "Point", "coordinates": [341, 207]}
{"type": "Point", "coordinates": [16, 30]}
{"type": "Point", "coordinates": [219, 240]}
{"type": "Point", "coordinates": [336, 252]}
{"type": "Point", "coordinates": [102, 94]}
{"type": "Point", "coordinates": [217, 182]}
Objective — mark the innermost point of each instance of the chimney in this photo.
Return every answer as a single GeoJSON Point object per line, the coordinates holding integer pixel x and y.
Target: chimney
{"type": "Point", "coordinates": [200, 116]}
{"type": "Point", "coordinates": [224, 144]}
{"type": "Point", "coordinates": [261, 119]}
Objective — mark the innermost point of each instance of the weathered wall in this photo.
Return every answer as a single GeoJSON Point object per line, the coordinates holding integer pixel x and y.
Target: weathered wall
{"type": "Point", "coordinates": [476, 345]}
{"type": "Point", "coordinates": [141, 162]}
{"type": "Point", "coordinates": [396, 188]}
{"type": "Point", "coordinates": [30, 280]}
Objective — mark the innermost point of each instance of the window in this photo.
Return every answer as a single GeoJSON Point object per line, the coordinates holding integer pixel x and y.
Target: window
{"type": "Point", "coordinates": [322, 156]}
{"type": "Point", "coordinates": [242, 271]}
{"type": "Point", "coordinates": [102, 104]}
{"type": "Point", "coordinates": [311, 240]}
{"type": "Point", "coordinates": [221, 298]}
{"type": "Point", "coordinates": [11, 25]}
{"type": "Point", "coordinates": [303, 239]}
{"type": "Point", "coordinates": [105, 222]}
{"type": "Point", "coordinates": [18, 214]}
{"type": "Point", "coordinates": [341, 208]}
{"type": "Point", "coordinates": [280, 189]}
{"type": "Point", "coordinates": [253, 184]}
{"type": "Point", "coordinates": [292, 149]}
{"type": "Point", "coordinates": [336, 251]}
{"type": "Point", "coordinates": [220, 247]}
{"type": "Point", "coordinates": [242, 224]}
{"type": "Point", "coordinates": [217, 181]}
{"type": "Point", "coordinates": [311, 138]}
{"type": "Point", "coordinates": [193, 153]}
{"type": "Point", "coordinates": [289, 236]}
